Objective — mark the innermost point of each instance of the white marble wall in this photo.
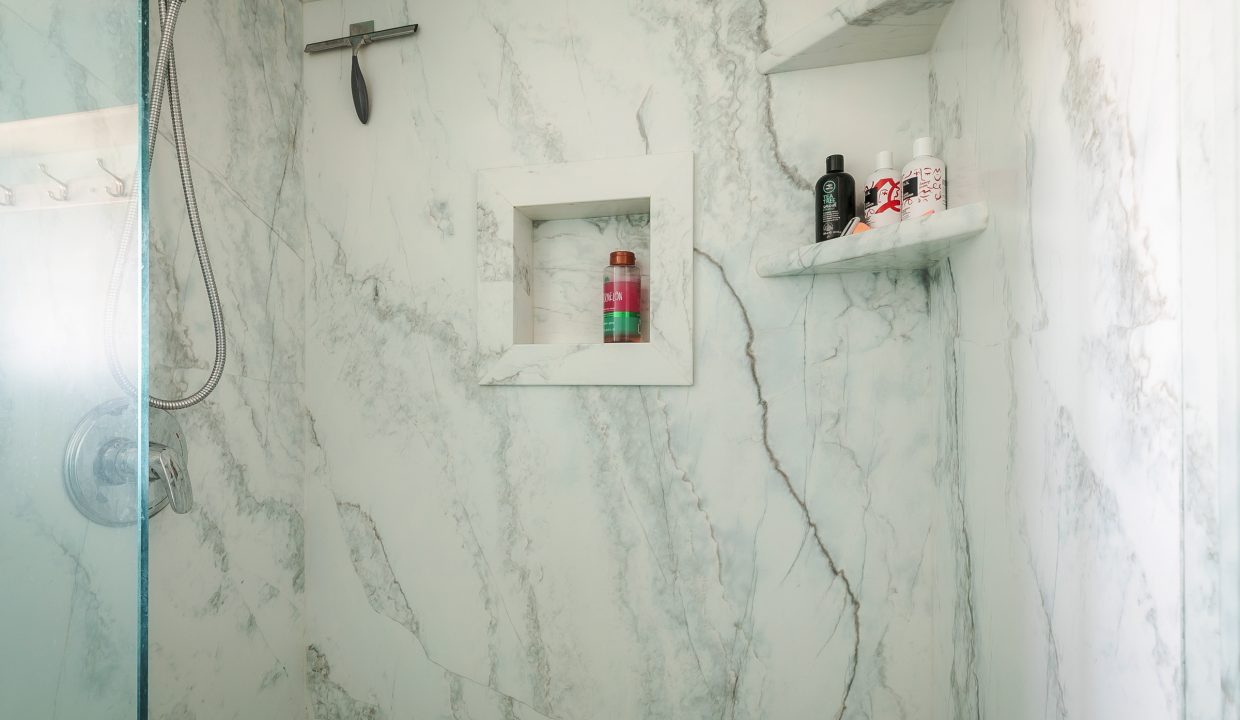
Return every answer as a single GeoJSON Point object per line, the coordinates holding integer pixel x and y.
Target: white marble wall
{"type": "Point", "coordinates": [1209, 89]}
{"type": "Point", "coordinates": [227, 580]}
{"type": "Point", "coordinates": [65, 56]}
{"type": "Point", "coordinates": [1065, 117]}
{"type": "Point", "coordinates": [772, 542]}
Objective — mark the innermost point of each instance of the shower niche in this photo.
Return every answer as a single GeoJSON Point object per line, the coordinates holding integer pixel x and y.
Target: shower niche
{"type": "Point", "coordinates": [544, 236]}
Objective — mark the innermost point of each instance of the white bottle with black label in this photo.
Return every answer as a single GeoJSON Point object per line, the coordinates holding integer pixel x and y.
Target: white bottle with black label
{"type": "Point", "coordinates": [923, 183]}
{"type": "Point", "coordinates": [882, 193]}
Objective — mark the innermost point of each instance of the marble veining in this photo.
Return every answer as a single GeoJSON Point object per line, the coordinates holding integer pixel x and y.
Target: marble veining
{"type": "Point", "coordinates": [227, 623]}
{"type": "Point", "coordinates": [768, 542]}
{"type": "Point", "coordinates": [1067, 347]}
{"type": "Point", "coordinates": [327, 699]}
{"type": "Point", "coordinates": [980, 487]}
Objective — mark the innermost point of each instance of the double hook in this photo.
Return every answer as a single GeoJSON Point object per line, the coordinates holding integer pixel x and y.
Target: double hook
{"type": "Point", "coordinates": [117, 189]}
{"type": "Point", "coordinates": [61, 194]}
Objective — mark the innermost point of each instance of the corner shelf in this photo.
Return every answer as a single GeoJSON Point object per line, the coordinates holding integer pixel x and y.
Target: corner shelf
{"type": "Point", "coordinates": [859, 31]}
{"type": "Point", "coordinates": [911, 245]}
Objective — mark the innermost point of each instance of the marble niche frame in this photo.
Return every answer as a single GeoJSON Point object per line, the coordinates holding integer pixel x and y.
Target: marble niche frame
{"type": "Point", "coordinates": [511, 199]}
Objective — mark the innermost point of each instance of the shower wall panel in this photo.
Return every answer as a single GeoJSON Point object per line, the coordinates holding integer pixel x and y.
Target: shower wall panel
{"type": "Point", "coordinates": [768, 543]}
{"type": "Point", "coordinates": [227, 580]}
{"type": "Point", "coordinates": [1081, 479]}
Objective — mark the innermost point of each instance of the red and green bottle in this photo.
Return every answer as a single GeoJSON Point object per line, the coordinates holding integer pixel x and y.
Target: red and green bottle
{"type": "Point", "coordinates": [622, 299]}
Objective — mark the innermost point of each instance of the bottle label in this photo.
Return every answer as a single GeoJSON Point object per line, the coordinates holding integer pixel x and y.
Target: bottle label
{"type": "Point", "coordinates": [882, 197]}
{"type": "Point", "coordinates": [622, 308]}
{"type": "Point", "coordinates": [924, 189]}
{"type": "Point", "coordinates": [830, 211]}
{"type": "Point", "coordinates": [622, 296]}
{"type": "Point", "coordinates": [910, 187]}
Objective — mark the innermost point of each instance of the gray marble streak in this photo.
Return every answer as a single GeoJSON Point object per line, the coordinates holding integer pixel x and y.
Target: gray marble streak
{"type": "Point", "coordinates": [371, 564]}
{"type": "Point", "coordinates": [946, 326]}
{"type": "Point", "coordinates": [329, 701]}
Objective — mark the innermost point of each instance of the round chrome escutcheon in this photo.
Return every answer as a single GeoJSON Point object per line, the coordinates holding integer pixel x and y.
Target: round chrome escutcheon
{"type": "Point", "coordinates": [102, 463]}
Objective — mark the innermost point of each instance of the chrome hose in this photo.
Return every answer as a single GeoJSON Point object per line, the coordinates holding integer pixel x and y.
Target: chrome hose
{"type": "Point", "coordinates": [165, 78]}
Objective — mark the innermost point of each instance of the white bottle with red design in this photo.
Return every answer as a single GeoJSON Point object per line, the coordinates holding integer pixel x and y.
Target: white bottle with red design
{"type": "Point", "coordinates": [924, 182]}
{"type": "Point", "coordinates": [882, 193]}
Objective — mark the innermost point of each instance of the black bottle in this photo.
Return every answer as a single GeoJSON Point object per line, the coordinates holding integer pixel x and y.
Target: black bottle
{"type": "Point", "coordinates": [835, 200]}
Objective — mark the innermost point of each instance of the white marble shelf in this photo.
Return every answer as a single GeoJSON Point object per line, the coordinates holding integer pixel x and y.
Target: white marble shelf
{"type": "Point", "coordinates": [859, 31]}
{"type": "Point", "coordinates": [911, 245]}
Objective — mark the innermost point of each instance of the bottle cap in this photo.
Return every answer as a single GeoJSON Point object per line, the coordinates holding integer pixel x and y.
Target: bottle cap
{"type": "Point", "coordinates": [835, 163]}
{"type": "Point", "coordinates": [623, 257]}
{"type": "Point", "coordinates": [923, 146]}
{"type": "Point", "coordinates": [883, 162]}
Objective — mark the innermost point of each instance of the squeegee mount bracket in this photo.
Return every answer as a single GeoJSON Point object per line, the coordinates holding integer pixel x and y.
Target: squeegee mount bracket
{"type": "Point", "coordinates": [360, 35]}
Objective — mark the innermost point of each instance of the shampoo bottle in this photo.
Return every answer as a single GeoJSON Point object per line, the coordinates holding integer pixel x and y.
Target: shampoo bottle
{"type": "Point", "coordinates": [835, 200]}
{"type": "Point", "coordinates": [882, 193]}
{"type": "Point", "coordinates": [924, 186]}
{"type": "Point", "coordinates": [622, 299]}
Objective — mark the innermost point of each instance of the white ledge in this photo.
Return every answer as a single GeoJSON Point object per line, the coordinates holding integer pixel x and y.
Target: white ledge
{"type": "Point", "coordinates": [911, 245]}
{"type": "Point", "coordinates": [859, 31]}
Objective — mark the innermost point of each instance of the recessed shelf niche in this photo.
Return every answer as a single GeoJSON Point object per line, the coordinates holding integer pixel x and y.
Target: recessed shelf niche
{"type": "Point", "coordinates": [544, 235]}
{"type": "Point", "coordinates": [566, 273]}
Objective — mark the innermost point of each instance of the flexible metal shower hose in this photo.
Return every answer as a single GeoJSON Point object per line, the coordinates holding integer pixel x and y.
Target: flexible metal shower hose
{"type": "Point", "coordinates": [165, 77]}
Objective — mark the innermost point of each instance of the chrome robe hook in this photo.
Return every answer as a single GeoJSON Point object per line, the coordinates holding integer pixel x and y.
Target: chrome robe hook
{"type": "Point", "coordinates": [61, 194]}
{"type": "Point", "coordinates": [117, 190]}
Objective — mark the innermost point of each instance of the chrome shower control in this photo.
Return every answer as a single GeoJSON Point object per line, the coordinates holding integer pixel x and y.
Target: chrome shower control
{"type": "Point", "coordinates": [102, 461]}
{"type": "Point", "coordinates": [167, 468]}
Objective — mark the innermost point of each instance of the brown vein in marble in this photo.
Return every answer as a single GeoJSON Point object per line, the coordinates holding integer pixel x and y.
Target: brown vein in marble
{"type": "Point", "coordinates": [836, 571]}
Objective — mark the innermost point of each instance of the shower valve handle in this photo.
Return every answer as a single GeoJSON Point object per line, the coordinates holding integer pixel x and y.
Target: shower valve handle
{"type": "Point", "coordinates": [167, 466]}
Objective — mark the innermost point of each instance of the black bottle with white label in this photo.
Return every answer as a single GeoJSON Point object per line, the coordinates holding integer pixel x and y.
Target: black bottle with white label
{"type": "Point", "coordinates": [835, 200]}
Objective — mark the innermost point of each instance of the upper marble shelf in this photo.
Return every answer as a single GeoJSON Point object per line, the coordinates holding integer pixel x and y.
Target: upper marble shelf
{"type": "Point", "coordinates": [859, 31]}
{"type": "Point", "coordinates": [911, 245]}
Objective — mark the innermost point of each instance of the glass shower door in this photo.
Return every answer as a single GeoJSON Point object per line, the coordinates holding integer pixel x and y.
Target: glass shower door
{"type": "Point", "coordinates": [72, 333]}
